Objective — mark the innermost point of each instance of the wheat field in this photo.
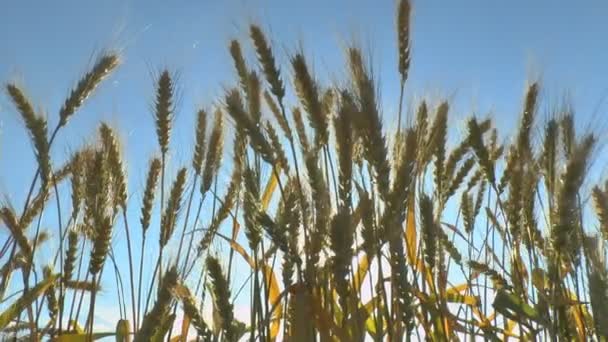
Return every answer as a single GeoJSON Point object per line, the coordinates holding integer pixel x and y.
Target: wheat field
{"type": "Point", "coordinates": [349, 230]}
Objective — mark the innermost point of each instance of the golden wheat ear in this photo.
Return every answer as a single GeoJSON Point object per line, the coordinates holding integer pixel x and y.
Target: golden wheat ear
{"type": "Point", "coordinates": [170, 215]}
{"type": "Point", "coordinates": [267, 61]}
{"type": "Point", "coordinates": [403, 37]}
{"type": "Point", "coordinates": [221, 291]}
{"type": "Point", "coordinates": [37, 129]}
{"type": "Point", "coordinates": [214, 152]}
{"type": "Point", "coordinates": [164, 108]}
{"type": "Point", "coordinates": [308, 94]}
{"type": "Point", "coordinates": [87, 84]}
{"type": "Point", "coordinates": [158, 316]}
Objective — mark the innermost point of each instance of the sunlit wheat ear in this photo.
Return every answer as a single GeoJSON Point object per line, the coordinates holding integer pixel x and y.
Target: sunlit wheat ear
{"type": "Point", "coordinates": [368, 122]}
{"type": "Point", "coordinates": [10, 221]}
{"type": "Point", "coordinates": [276, 232]}
{"type": "Point", "coordinates": [403, 37]}
{"type": "Point", "coordinates": [278, 116]}
{"type": "Point", "coordinates": [87, 84]}
{"type": "Point", "coordinates": [239, 63]}
{"type": "Point", "coordinates": [301, 129]}
{"type": "Point", "coordinates": [529, 208]}
{"type": "Point", "coordinates": [200, 141]}
{"type": "Point", "coordinates": [429, 231]}
{"type": "Point", "coordinates": [222, 212]}
{"type": "Point", "coordinates": [476, 143]}
{"type": "Point", "coordinates": [214, 152]}
{"type": "Point", "coordinates": [322, 206]}
{"type": "Point", "coordinates": [466, 207]}
{"type": "Point", "coordinates": [164, 107]}
{"type": "Point", "coordinates": [598, 285]}
{"type": "Point", "coordinates": [267, 61]}
{"type": "Point", "coordinates": [564, 234]}
{"type": "Point", "coordinates": [149, 193]}
{"type": "Point", "coordinates": [191, 310]}
{"type": "Point", "coordinates": [549, 155]}
{"type": "Point", "coordinates": [308, 94]}
{"type": "Point", "coordinates": [341, 236]}
{"type": "Point", "coordinates": [221, 291]}
{"type": "Point", "coordinates": [161, 309]}
{"type": "Point", "coordinates": [568, 134]}
{"type": "Point", "coordinates": [288, 222]}
{"type": "Point", "coordinates": [368, 228]}
{"type": "Point", "coordinates": [600, 202]}
{"type": "Point", "coordinates": [52, 305]}
{"type": "Point", "coordinates": [437, 142]}
{"type": "Point", "coordinates": [172, 209]}
{"type": "Point", "coordinates": [115, 165]}
{"type": "Point", "coordinates": [96, 184]}
{"type": "Point", "coordinates": [405, 175]}
{"type": "Point", "coordinates": [101, 244]}
{"type": "Point", "coordinates": [254, 93]}
{"type": "Point", "coordinates": [527, 121]}
{"type": "Point", "coordinates": [231, 195]}
{"type": "Point", "coordinates": [422, 123]}
{"type": "Point", "coordinates": [37, 128]}
{"type": "Point", "coordinates": [34, 209]}
{"type": "Point", "coordinates": [43, 236]}
{"type": "Point", "coordinates": [277, 147]}
{"type": "Point", "coordinates": [458, 178]}
{"type": "Point", "coordinates": [77, 182]}
{"type": "Point", "coordinates": [498, 280]}
{"type": "Point", "coordinates": [70, 255]}
{"type": "Point", "coordinates": [344, 142]}
{"type": "Point", "coordinates": [251, 208]}
{"type": "Point", "coordinates": [234, 107]}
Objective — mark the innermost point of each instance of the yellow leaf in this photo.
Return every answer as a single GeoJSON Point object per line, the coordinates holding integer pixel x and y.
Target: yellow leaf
{"type": "Point", "coordinates": [274, 294]}
{"type": "Point", "coordinates": [410, 233]}
{"type": "Point", "coordinates": [270, 187]}
{"type": "Point", "coordinates": [185, 328]}
{"type": "Point", "coordinates": [81, 337]}
{"type": "Point", "coordinates": [462, 287]}
{"type": "Point", "coordinates": [362, 270]}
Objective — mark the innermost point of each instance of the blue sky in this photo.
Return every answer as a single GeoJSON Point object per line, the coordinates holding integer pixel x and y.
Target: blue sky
{"type": "Point", "coordinates": [479, 54]}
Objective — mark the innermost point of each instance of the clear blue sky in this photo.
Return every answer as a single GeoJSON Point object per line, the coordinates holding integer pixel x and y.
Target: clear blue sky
{"type": "Point", "coordinates": [478, 53]}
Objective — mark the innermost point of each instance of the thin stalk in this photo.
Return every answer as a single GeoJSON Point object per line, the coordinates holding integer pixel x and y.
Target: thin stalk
{"type": "Point", "coordinates": [131, 281]}
{"type": "Point", "coordinates": [139, 285]}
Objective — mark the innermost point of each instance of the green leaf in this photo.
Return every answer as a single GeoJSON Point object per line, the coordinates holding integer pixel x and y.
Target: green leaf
{"type": "Point", "coordinates": [511, 306]}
